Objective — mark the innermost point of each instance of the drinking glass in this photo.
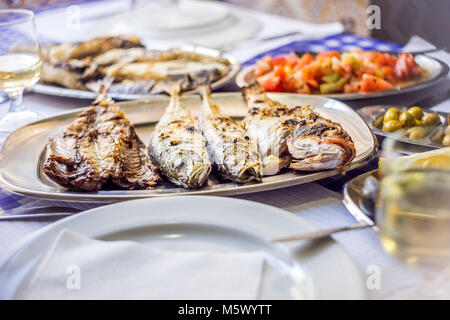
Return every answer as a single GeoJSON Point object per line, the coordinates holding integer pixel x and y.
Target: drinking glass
{"type": "Point", "coordinates": [413, 215]}
{"type": "Point", "coordinates": [20, 65]}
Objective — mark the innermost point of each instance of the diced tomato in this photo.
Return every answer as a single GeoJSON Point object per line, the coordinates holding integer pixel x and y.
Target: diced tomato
{"type": "Point", "coordinates": [347, 68]}
{"type": "Point", "coordinates": [387, 71]}
{"type": "Point", "coordinates": [406, 66]}
{"type": "Point", "coordinates": [311, 72]}
{"type": "Point", "coordinates": [262, 67]}
{"type": "Point", "coordinates": [290, 85]}
{"type": "Point", "coordinates": [270, 82]}
{"type": "Point", "coordinates": [365, 70]}
{"type": "Point", "coordinates": [306, 58]}
{"type": "Point", "coordinates": [279, 71]}
{"type": "Point", "coordinates": [275, 61]}
{"type": "Point", "coordinates": [371, 83]}
{"type": "Point", "coordinates": [328, 54]}
{"type": "Point", "coordinates": [291, 60]}
{"type": "Point", "coordinates": [350, 88]}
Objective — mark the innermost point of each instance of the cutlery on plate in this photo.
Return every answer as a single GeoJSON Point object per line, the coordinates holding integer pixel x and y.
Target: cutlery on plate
{"type": "Point", "coordinates": [33, 216]}
{"type": "Point", "coordinates": [30, 212]}
{"type": "Point", "coordinates": [322, 233]}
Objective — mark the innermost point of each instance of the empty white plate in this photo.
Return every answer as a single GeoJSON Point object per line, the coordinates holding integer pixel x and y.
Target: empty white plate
{"type": "Point", "coordinates": [309, 269]}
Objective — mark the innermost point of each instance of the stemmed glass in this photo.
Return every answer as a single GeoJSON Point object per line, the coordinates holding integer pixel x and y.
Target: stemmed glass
{"type": "Point", "coordinates": [413, 215]}
{"type": "Point", "coordinates": [20, 65]}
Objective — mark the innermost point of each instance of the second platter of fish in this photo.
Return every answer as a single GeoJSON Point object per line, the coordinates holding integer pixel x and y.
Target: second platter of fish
{"type": "Point", "coordinates": [216, 144]}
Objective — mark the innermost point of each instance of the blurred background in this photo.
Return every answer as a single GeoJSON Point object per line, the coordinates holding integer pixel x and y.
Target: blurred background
{"type": "Point", "coordinates": [400, 19]}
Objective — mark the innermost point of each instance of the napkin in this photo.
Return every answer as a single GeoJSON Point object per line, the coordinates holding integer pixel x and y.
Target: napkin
{"type": "Point", "coordinates": [77, 267]}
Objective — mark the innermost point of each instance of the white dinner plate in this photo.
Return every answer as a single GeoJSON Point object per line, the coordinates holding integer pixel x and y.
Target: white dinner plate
{"type": "Point", "coordinates": [309, 269]}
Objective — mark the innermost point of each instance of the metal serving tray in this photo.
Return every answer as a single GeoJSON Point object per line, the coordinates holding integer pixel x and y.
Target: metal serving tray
{"type": "Point", "coordinates": [22, 155]}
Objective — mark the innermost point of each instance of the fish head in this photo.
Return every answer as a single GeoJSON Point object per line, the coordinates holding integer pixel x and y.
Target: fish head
{"type": "Point", "coordinates": [319, 147]}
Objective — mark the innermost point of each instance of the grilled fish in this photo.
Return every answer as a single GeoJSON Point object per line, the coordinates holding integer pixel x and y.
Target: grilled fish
{"type": "Point", "coordinates": [319, 144]}
{"type": "Point", "coordinates": [235, 156]}
{"type": "Point", "coordinates": [100, 146]}
{"type": "Point", "coordinates": [135, 69]}
{"type": "Point", "coordinates": [270, 123]}
{"type": "Point", "coordinates": [91, 48]}
{"type": "Point", "coordinates": [178, 147]}
{"type": "Point", "coordinates": [295, 137]}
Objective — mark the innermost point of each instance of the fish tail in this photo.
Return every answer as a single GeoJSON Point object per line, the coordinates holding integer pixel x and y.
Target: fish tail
{"type": "Point", "coordinates": [102, 95]}
{"type": "Point", "coordinates": [208, 107]}
{"type": "Point", "coordinates": [175, 100]}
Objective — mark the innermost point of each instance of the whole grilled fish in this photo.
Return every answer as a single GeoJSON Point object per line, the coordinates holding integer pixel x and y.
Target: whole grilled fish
{"type": "Point", "coordinates": [295, 137]}
{"type": "Point", "coordinates": [98, 147]}
{"type": "Point", "coordinates": [178, 147]}
{"type": "Point", "coordinates": [233, 153]}
{"type": "Point", "coordinates": [269, 124]}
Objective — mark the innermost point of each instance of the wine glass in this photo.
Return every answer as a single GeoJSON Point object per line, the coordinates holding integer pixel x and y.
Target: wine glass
{"type": "Point", "coordinates": [20, 65]}
{"type": "Point", "coordinates": [413, 214]}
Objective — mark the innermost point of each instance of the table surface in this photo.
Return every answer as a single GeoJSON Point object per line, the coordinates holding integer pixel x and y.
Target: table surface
{"type": "Point", "coordinates": [319, 203]}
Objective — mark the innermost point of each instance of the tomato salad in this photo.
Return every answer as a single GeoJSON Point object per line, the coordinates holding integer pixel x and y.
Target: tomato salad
{"type": "Point", "coordinates": [355, 71]}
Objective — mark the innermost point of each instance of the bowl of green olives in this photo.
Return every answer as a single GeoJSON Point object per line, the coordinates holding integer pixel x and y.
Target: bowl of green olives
{"type": "Point", "coordinates": [408, 124]}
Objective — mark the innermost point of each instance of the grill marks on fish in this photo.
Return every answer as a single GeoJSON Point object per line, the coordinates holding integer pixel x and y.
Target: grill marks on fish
{"type": "Point", "coordinates": [233, 153]}
{"type": "Point", "coordinates": [98, 147]}
{"type": "Point", "coordinates": [319, 144]}
{"type": "Point", "coordinates": [178, 147]}
{"type": "Point", "coordinates": [270, 123]}
{"type": "Point", "coordinates": [295, 137]}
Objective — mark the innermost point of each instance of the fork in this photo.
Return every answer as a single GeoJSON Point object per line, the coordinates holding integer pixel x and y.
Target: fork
{"type": "Point", "coordinates": [322, 233]}
{"type": "Point", "coordinates": [27, 213]}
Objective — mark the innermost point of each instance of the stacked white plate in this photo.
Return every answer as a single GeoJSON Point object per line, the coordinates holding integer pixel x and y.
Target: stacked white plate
{"type": "Point", "coordinates": [204, 23]}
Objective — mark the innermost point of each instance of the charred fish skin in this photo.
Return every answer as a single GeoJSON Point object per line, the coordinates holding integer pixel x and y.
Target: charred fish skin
{"type": "Point", "coordinates": [178, 147]}
{"type": "Point", "coordinates": [81, 50]}
{"type": "Point", "coordinates": [233, 153]}
{"type": "Point", "coordinates": [319, 144]}
{"type": "Point", "coordinates": [98, 147]}
{"type": "Point", "coordinates": [295, 137]}
{"type": "Point", "coordinates": [270, 124]}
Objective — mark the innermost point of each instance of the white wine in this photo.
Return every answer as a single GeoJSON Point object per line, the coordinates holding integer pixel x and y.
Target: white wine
{"type": "Point", "coordinates": [19, 71]}
{"type": "Point", "coordinates": [414, 217]}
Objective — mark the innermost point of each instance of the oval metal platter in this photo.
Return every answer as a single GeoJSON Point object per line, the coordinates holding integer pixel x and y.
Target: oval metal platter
{"type": "Point", "coordinates": [436, 71]}
{"type": "Point", "coordinates": [85, 94]}
{"type": "Point", "coordinates": [23, 154]}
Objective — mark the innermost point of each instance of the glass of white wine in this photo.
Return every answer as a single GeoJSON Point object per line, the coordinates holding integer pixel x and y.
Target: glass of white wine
{"type": "Point", "coordinates": [20, 65]}
{"type": "Point", "coordinates": [413, 212]}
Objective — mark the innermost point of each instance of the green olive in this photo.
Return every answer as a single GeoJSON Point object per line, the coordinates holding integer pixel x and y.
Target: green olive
{"type": "Point", "coordinates": [391, 114]}
{"type": "Point", "coordinates": [447, 130]}
{"type": "Point", "coordinates": [392, 125]}
{"type": "Point", "coordinates": [431, 119]}
{"type": "Point", "coordinates": [446, 140]}
{"type": "Point", "coordinates": [407, 119]}
{"type": "Point", "coordinates": [417, 133]}
{"type": "Point", "coordinates": [416, 112]}
{"type": "Point", "coordinates": [379, 122]}
{"type": "Point", "coordinates": [418, 123]}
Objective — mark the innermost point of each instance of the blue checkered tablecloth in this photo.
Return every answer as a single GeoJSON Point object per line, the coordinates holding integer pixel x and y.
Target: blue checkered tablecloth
{"type": "Point", "coordinates": [339, 42]}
